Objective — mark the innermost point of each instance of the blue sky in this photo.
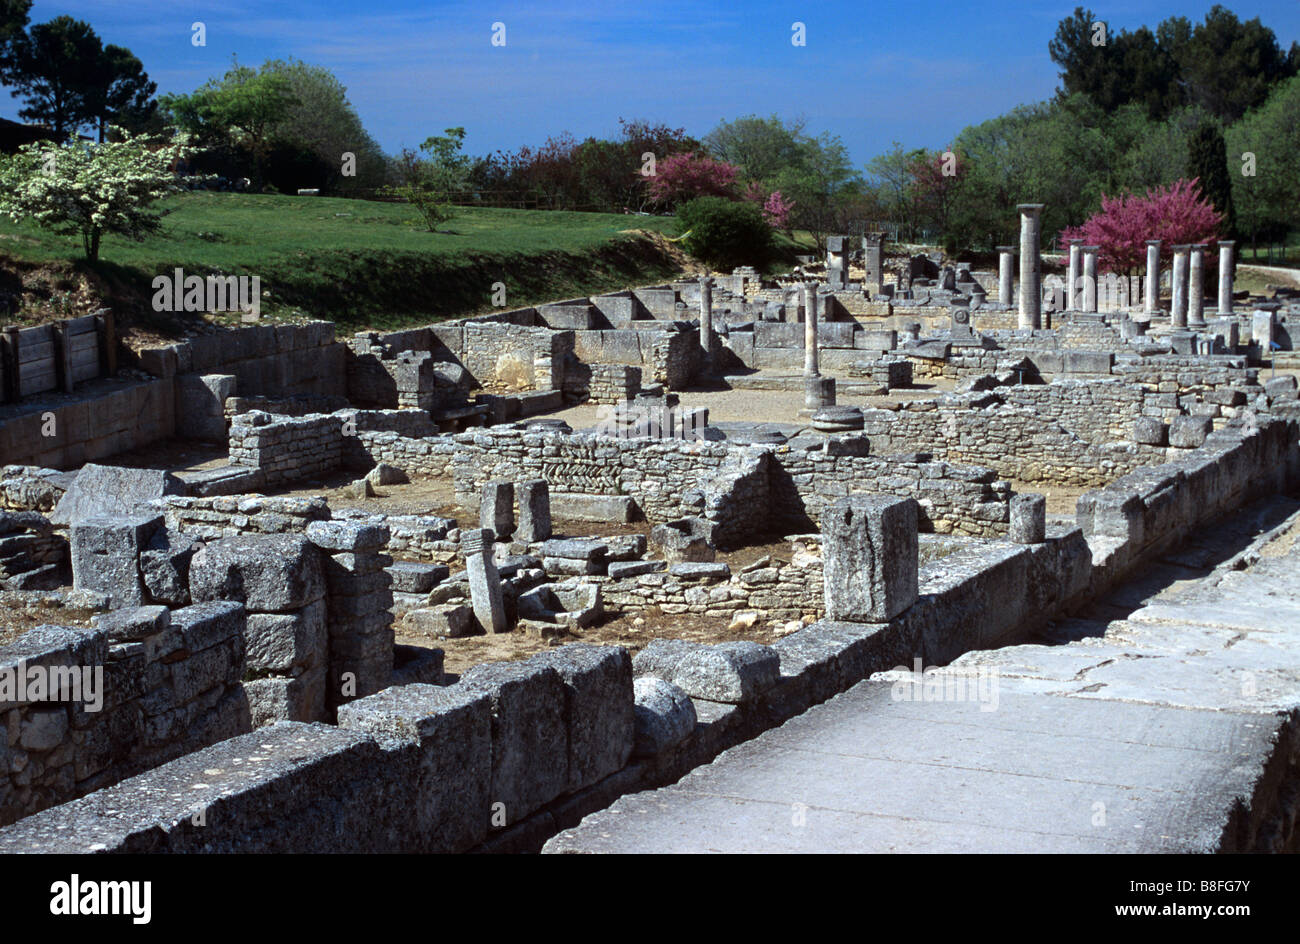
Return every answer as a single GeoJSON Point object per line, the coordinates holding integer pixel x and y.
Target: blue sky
{"type": "Point", "coordinates": [871, 72]}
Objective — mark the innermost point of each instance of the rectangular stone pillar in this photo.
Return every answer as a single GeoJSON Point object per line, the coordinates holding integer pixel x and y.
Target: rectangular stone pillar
{"type": "Point", "coordinates": [1196, 288]}
{"type": "Point", "coordinates": [484, 581]}
{"type": "Point", "coordinates": [1152, 298]}
{"type": "Point", "coordinates": [1028, 519]}
{"type": "Point", "coordinates": [1031, 265]}
{"type": "Point", "coordinates": [706, 315]}
{"type": "Point", "coordinates": [837, 264]}
{"type": "Point", "coordinates": [1006, 274]}
{"type": "Point", "coordinates": [534, 511]}
{"type": "Point", "coordinates": [1090, 278]}
{"type": "Point", "coordinates": [811, 301]}
{"type": "Point", "coordinates": [873, 255]}
{"type": "Point", "coordinates": [1226, 248]}
{"type": "Point", "coordinates": [1178, 302]}
{"type": "Point", "coordinates": [1073, 272]}
{"type": "Point", "coordinates": [869, 544]}
{"type": "Point", "coordinates": [1261, 333]}
{"type": "Point", "coordinates": [496, 509]}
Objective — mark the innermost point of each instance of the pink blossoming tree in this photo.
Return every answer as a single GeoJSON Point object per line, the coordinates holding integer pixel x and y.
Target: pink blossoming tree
{"type": "Point", "coordinates": [682, 177]}
{"type": "Point", "coordinates": [1176, 214]}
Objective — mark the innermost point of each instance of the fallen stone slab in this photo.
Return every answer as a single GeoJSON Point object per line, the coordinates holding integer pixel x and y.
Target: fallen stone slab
{"type": "Point", "coordinates": [619, 509]}
{"type": "Point", "coordinates": [692, 570]}
{"type": "Point", "coordinates": [416, 576]}
{"type": "Point", "coordinates": [621, 569]}
{"type": "Point", "coordinates": [101, 490]}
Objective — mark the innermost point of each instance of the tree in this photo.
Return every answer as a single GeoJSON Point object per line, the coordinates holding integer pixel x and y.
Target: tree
{"type": "Point", "coordinates": [242, 109]}
{"type": "Point", "coordinates": [1207, 161]}
{"type": "Point", "coordinates": [682, 177]}
{"type": "Point", "coordinates": [122, 93]}
{"type": "Point", "coordinates": [430, 185]}
{"type": "Point", "coordinates": [1227, 66]}
{"type": "Point", "coordinates": [1264, 162]}
{"type": "Point", "coordinates": [55, 67]}
{"type": "Point", "coordinates": [91, 189]}
{"type": "Point", "coordinates": [760, 148]}
{"type": "Point", "coordinates": [725, 233]}
{"type": "Point", "coordinates": [1177, 215]}
{"type": "Point", "coordinates": [13, 20]}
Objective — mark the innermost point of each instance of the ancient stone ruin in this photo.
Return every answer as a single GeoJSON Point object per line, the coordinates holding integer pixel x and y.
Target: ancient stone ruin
{"type": "Point", "coordinates": [969, 459]}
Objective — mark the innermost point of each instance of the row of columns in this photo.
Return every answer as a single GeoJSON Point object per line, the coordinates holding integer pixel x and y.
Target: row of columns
{"type": "Point", "coordinates": [1187, 302]}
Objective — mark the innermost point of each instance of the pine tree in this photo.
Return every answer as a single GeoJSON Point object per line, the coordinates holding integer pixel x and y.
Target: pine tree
{"type": "Point", "coordinates": [1207, 160]}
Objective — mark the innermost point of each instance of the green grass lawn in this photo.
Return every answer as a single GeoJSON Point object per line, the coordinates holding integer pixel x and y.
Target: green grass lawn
{"type": "Point", "coordinates": [363, 262]}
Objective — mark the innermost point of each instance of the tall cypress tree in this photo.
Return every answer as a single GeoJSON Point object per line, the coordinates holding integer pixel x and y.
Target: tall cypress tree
{"type": "Point", "coordinates": [1207, 158]}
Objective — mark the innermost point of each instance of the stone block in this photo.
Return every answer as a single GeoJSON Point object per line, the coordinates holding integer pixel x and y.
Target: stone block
{"type": "Point", "coordinates": [870, 547]}
{"type": "Point", "coordinates": [269, 573]}
{"type": "Point", "coordinates": [664, 716]}
{"type": "Point", "coordinates": [344, 535]}
{"type": "Point", "coordinates": [134, 624]}
{"type": "Point", "coordinates": [534, 511]}
{"type": "Point", "coordinates": [285, 642]}
{"type": "Point", "coordinates": [106, 556]}
{"type": "Point", "coordinates": [416, 576]}
{"type": "Point", "coordinates": [700, 570]}
{"type": "Point", "coordinates": [287, 699]}
{"type": "Point", "coordinates": [1189, 432]}
{"type": "Point", "coordinates": [445, 621]}
{"type": "Point", "coordinates": [598, 704]}
{"type": "Point", "coordinates": [686, 539]}
{"type": "Point", "coordinates": [165, 567]}
{"type": "Point", "coordinates": [1028, 519]}
{"type": "Point", "coordinates": [530, 760]}
{"type": "Point", "coordinates": [448, 731]}
{"type": "Point", "coordinates": [1149, 431]}
{"type": "Point", "coordinates": [497, 508]}
{"type": "Point", "coordinates": [100, 490]}
{"type": "Point", "coordinates": [730, 672]}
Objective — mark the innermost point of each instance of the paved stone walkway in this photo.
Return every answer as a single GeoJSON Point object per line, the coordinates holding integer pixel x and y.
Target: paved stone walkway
{"type": "Point", "coordinates": [1158, 736]}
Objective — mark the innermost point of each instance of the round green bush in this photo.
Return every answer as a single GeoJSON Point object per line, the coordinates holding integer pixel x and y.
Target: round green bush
{"type": "Point", "coordinates": [725, 233]}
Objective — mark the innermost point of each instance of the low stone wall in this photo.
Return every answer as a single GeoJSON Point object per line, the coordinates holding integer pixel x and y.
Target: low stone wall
{"type": "Point", "coordinates": [230, 515]}
{"type": "Point", "coordinates": [670, 479]}
{"type": "Point", "coordinates": [287, 448]}
{"type": "Point", "coordinates": [776, 590]}
{"type": "Point", "coordinates": [161, 688]}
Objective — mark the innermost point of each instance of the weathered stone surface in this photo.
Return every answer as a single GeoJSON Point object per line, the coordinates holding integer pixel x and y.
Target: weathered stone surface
{"type": "Point", "coordinates": [1028, 519]}
{"type": "Point", "coordinates": [497, 508]}
{"type": "Point", "coordinates": [448, 733]}
{"type": "Point", "coordinates": [575, 549]}
{"type": "Point", "coordinates": [598, 708]}
{"type": "Point", "coordinates": [446, 621]}
{"type": "Point", "coordinates": [100, 490]}
{"type": "Point", "coordinates": [385, 474]}
{"type": "Point", "coordinates": [687, 539]}
{"type": "Point", "coordinates": [731, 672]}
{"type": "Point", "coordinates": [416, 576]}
{"type": "Point", "coordinates": [534, 511]}
{"type": "Point", "coordinates": [133, 624]}
{"type": "Point", "coordinates": [870, 548]}
{"type": "Point", "coordinates": [664, 716]}
{"type": "Point", "coordinates": [622, 569]}
{"type": "Point", "coordinates": [700, 571]}
{"type": "Point", "coordinates": [285, 642]}
{"type": "Point", "coordinates": [1150, 431]}
{"type": "Point", "coordinates": [1189, 432]}
{"type": "Point", "coordinates": [346, 535]}
{"type": "Point", "coordinates": [484, 581]}
{"type": "Point", "coordinates": [530, 762]}
{"type": "Point", "coordinates": [165, 567]}
{"type": "Point", "coordinates": [269, 573]}
{"type": "Point", "coordinates": [106, 556]}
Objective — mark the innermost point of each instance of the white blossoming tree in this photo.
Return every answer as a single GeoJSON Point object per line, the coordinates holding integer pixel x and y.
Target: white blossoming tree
{"type": "Point", "coordinates": [91, 189]}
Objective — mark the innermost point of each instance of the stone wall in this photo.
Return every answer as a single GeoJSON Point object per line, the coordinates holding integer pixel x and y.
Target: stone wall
{"type": "Point", "coordinates": [671, 478]}
{"type": "Point", "coordinates": [230, 515]}
{"type": "Point", "coordinates": [168, 684]}
{"type": "Point", "coordinates": [287, 448]}
{"type": "Point", "coordinates": [109, 417]}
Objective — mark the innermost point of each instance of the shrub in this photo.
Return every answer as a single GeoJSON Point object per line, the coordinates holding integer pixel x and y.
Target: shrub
{"type": "Point", "coordinates": [724, 233]}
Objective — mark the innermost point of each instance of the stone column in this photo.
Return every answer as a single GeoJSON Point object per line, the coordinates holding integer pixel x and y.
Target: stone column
{"type": "Point", "coordinates": [1226, 247]}
{"type": "Point", "coordinates": [1152, 304]}
{"type": "Point", "coordinates": [496, 508]}
{"type": "Point", "coordinates": [1031, 266]}
{"type": "Point", "coordinates": [869, 546]}
{"type": "Point", "coordinates": [1196, 288]}
{"type": "Point", "coordinates": [1028, 519]}
{"type": "Point", "coordinates": [534, 511]}
{"type": "Point", "coordinates": [706, 315]}
{"type": "Point", "coordinates": [1073, 272]}
{"type": "Point", "coordinates": [1178, 304]}
{"type": "Point", "coordinates": [873, 257]}
{"type": "Point", "coordinates": [1006, 273]}
{"type": "Point", "coordinates": [484, 581]}
{"type": "Point", "coordinates": [1090, 278]}
{"type": "Point", "coordinates": [811, 300]}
